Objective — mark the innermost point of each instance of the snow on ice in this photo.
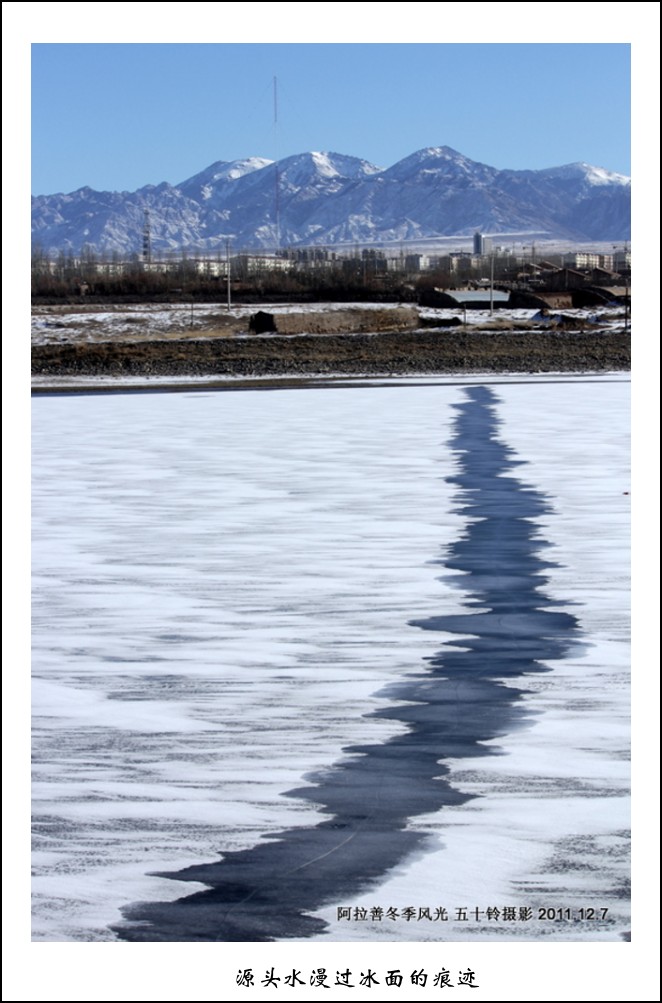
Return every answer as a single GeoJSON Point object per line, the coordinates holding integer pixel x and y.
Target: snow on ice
{"type": "Point", "coordinates": [225, 589]}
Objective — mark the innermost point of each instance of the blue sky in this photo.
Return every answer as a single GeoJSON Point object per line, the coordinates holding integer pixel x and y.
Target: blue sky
{"type": "Point", "coordinates": [119, 116]}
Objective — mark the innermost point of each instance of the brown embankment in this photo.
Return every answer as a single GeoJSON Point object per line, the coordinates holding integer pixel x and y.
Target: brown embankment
{"type": "Point", "coordinates": [403, 352]}
{"type": "Point", "coordinates": [348, 321]}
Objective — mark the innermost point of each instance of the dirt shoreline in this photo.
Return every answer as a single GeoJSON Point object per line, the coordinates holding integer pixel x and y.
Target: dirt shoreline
{"type": "Point", "coordinates": [395, 353]}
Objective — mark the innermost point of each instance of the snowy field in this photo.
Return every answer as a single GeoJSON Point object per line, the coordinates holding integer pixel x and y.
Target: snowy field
{"type": "Point", "coordinates": [127, 323]}
{"type": "Point", "coordinates": [63, 325]}
{"type": "Point", "coordinates": [336, 664]}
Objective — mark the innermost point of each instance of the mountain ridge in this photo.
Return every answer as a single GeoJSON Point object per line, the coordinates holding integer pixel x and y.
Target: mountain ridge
{"type": "Point", "coordinates": [324, 198]}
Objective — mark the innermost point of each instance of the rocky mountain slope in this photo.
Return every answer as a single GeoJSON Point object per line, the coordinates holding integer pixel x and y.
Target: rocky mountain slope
{"type": "Point", "coordinates": [329, 198]}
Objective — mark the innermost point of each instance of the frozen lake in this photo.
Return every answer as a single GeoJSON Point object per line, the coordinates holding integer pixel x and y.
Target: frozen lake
{"type": "Point", "coordinates": [336, 664]}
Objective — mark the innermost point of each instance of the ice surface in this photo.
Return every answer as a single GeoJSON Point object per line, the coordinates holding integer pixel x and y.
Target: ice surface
{"type": "Point", "coordinates": [225, 586]}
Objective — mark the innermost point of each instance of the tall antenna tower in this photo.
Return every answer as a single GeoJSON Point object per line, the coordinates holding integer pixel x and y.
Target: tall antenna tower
{"type": "Point", "coordinates": [147, 238]}
{"type": "Point", "coordinates": [277, 177]}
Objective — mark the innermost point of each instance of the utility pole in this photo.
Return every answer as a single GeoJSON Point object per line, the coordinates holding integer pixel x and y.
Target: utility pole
{"type": "Point", "coordinates": [627, 287]}
{"type": "Point", "coordinates": [227, 273]}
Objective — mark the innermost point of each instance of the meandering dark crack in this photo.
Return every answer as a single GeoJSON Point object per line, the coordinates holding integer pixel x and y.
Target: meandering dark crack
{"type": "Point", "coordinates": [451, 706]}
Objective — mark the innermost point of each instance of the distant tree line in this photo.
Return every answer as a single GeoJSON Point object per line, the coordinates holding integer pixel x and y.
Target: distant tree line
{"type": "Point", "coordinates": [93, 278]}
{"type": "Point", "coordinates": [364, 276]}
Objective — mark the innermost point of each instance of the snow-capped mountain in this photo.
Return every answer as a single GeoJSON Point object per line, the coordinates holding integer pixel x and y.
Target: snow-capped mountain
{"type": "Point", "coordinates": [203, 186]}
{"type": "Point", "coordinates": [328, 198]}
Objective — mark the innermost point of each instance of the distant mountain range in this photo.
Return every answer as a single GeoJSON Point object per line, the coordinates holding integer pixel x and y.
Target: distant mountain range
{"type": "Point", "coordinates": [329, 198]}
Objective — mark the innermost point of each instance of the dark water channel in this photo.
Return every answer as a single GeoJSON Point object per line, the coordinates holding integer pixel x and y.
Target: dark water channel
{"type": "Point", "coordinates": [450, 705]}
